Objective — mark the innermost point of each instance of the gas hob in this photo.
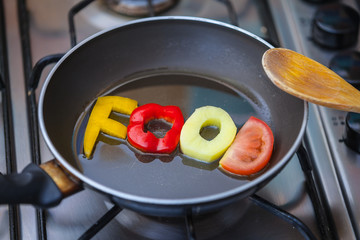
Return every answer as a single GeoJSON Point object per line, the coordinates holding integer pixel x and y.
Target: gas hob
{"type": "Point", "coordinates": [282, 23]}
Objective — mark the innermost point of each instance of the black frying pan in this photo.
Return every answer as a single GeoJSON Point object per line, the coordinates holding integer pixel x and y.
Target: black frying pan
{"type": "Point", "coordinates": [183, 61]}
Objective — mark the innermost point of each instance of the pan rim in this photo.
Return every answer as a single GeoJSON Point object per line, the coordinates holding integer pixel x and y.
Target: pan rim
{"type": "Point", "coordinates": [151, 200]}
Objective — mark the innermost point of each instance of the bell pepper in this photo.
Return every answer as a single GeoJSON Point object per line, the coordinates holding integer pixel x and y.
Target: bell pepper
{"type": "Point", "coordinates": [146, 141]}
{"type": "Point", "coordinates": [194, 145]}
{"type": "Point", "coordinates": [99, 120]}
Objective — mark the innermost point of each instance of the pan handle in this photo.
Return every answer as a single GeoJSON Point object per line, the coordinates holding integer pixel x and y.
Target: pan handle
{"type": "Point", "coordinates": [43, 186]}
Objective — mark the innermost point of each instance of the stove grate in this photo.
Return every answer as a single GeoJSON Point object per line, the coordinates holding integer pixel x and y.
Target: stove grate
{"type": "Point", "coordinates": [32, 76]}
{"type": "Point", "coordinates": [10, 158]}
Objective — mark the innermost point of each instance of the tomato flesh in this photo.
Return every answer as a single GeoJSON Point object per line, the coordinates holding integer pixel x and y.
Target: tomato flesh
{"type": "Point", "coordinates": [251, 150]}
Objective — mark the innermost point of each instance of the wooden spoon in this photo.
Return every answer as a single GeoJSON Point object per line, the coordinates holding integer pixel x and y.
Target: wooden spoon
{"type": "Point", "coordinates": [309, 80]}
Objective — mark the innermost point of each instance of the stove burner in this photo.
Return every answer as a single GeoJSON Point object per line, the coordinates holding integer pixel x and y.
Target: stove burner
{"type": "Point", "coordinates": [207, 226]}
{"type": "Point", "coordinates": [139, 8]}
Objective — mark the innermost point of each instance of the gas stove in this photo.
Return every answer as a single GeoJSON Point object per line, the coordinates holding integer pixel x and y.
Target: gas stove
{"type": "Point", "coordinates": [327, 207]}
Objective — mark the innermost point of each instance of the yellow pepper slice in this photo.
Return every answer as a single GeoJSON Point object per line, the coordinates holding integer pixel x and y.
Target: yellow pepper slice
{"type": "Point", "coordinates": [99, 120]}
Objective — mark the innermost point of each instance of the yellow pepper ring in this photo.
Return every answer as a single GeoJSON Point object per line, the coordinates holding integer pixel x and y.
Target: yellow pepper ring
{"type": "Point", "coordinates": [194, 145]}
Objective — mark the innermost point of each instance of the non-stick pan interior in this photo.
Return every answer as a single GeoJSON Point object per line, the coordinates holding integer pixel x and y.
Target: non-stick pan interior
{"type": "Point", "coordinates": [177, 61]}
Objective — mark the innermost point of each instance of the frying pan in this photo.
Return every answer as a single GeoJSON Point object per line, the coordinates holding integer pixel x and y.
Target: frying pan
{"type": "Point", "coordinates": [184, 61]}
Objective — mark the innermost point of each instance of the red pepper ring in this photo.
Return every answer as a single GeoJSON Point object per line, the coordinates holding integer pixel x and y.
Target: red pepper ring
{"type": "Point", "coordinates": [146, 141]}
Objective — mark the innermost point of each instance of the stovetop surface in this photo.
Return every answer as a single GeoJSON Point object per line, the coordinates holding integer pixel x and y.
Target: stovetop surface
{"type": "Point", "coordinates": [344, 161]}
{"type": "Point", "coordinates": [77, 213]}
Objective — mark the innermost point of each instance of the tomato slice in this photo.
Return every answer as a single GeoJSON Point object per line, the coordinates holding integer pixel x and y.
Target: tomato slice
{"type": "Point", "coordinates": [251, 150]}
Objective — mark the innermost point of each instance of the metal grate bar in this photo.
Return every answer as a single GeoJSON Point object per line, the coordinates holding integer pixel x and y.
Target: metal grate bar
{"type": "Point", "coordinates": [299, 225]}
{"type": "Point", "coordinates": [31, 104]}
{"type": "Point", "coordinates": [73, 11]}
{"type": "Point", "coordinates": [14, 210]}
{"type": "Point", "coordinates": [323, 220]}
{"type": "Point", "coordinates": [101, 223]}
{"type": "Point", "coordinates": [151, 8]}
{"type": "Point", "coordinates": [267, 18]}
{"type": "Point", "coordinates": [34, 78]}
{"type": "Point", "coordinates": [231, 12]}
